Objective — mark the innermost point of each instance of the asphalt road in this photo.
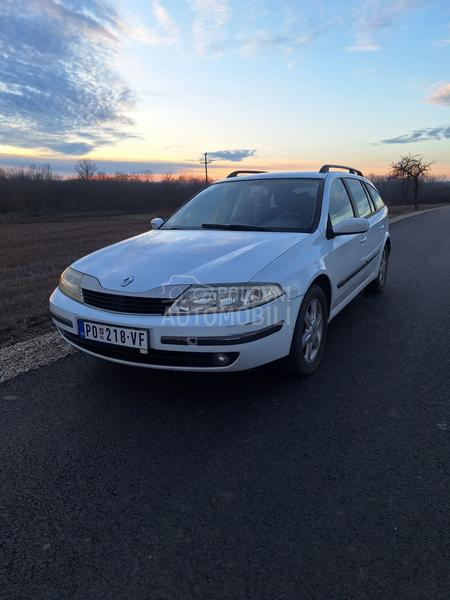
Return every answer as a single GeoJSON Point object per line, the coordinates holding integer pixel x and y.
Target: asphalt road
{"type": "Point", "coordinates": [128, 484]}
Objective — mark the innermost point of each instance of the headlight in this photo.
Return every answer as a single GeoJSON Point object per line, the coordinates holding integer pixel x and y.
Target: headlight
{"type": "Point", "coordinates": [70, 284]}
{"type": "Point", "coordinates": [205, 298]}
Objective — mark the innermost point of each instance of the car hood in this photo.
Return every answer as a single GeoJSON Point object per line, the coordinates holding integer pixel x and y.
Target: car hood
{"type": "Point", "coordinates": [164, 257]}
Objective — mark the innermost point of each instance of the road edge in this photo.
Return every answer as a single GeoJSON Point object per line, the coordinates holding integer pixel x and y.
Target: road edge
{"type": "Point", "coordinates": [399, 218]}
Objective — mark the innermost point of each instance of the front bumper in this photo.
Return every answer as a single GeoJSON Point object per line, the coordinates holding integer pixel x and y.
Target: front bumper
{"type": "Point", "coordinates": [249, 338]}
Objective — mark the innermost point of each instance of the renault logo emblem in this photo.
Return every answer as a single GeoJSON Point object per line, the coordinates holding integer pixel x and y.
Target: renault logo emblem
{"type": "Point", "coordinates": [127, 280]}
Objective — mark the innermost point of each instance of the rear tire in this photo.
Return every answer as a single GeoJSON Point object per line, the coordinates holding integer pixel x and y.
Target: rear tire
{"type": "Point", "coordinates": [376, 286]}
{"type": "Point", "coordinates": [310, 334]}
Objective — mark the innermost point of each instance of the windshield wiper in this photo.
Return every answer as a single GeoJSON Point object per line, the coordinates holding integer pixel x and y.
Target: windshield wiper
{"type": "Point", "coordinates": [233, 227]}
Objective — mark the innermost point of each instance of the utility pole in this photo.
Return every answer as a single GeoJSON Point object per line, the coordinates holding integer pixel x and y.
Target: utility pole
{"type": "Point", "coordinates": [206, 162]}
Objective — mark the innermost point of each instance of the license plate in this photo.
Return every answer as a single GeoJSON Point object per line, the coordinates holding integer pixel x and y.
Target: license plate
{"type": "Point", "coordinates": [110, 334]}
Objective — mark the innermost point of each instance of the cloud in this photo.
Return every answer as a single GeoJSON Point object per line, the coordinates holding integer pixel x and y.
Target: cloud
{"type": "Point", "coordinates": [421, 135]}
{"type": "Point", "coordinates": [375, 16]}
{"type": "Point", "coordinates": [212, 37]}
{"type": "Point", "coordinates": [210, 17]}
{"type": "Point", "coordinates": [163, 33]}
{"type": "Point", "coordinates": [441, 95]}
{"type": "Point", "coordinates": [363, 46]}
{"type": "Point", "coordinates": [58, 87]}
{"type": "Point", "coordinates": [261, 41]}
{"type": "Point", "coordinates": [441, 43]}
{"type": "Point", "coordinates": [290, 39]}
{"type": "Point", "coordinates": [232, 155]}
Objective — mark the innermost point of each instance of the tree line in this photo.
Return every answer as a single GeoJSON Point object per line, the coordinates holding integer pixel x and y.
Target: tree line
{"type": "Point", "coordinates": [431, 190]}
{"type": "Point", "coordinates": [37, 190]}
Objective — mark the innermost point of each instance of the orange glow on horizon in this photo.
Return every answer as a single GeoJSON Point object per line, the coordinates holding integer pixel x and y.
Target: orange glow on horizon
{"type": "Point", "coordinates": [155, 168]}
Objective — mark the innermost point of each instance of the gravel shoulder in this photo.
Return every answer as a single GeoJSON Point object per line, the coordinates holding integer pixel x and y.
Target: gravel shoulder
{"type": "Point", "coordinates": [32, 354]}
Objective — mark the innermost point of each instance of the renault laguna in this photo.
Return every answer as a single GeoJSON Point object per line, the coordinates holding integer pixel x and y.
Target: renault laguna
{"type": "Point", "coordinates": [250, 270]}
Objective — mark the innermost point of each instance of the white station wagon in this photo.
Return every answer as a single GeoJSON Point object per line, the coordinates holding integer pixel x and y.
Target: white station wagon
{"type": "Point", "coordinates": [248, 271]}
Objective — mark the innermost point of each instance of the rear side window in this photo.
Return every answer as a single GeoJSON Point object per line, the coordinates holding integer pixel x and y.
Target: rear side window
{"type": "Point", "coordinates": [376, 198]}
{"type": "Point", "coordinates": [359, 196]}
{"type": "Point", "coordinates": [340, 205]}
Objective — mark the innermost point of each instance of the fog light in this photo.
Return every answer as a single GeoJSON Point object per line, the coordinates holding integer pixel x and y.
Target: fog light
{"type": "Point", "coordinates": [222, 359]}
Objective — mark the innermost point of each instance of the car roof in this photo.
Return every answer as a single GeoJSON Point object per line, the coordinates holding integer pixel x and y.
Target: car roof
{"type": "Point", "coordinates": [290, 175]}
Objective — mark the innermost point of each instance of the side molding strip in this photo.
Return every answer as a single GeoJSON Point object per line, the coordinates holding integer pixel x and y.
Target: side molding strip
{"type": "Point", "coordinates": [358, 270]}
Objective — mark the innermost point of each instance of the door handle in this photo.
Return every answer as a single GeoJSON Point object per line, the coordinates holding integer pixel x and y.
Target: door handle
{"type": "Point", "coordinates": [381, 227]}
{"type": "Point", "coordinates": [363, 240]}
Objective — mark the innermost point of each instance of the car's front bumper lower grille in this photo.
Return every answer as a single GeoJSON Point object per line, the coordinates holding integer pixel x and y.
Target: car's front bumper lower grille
{"type": "Point", "coordinates": [120, 303]}
{"type": "Point", "coordinates": [172, 358]}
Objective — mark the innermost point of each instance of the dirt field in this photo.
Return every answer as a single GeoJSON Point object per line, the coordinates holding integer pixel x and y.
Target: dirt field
{"type": "Point", "coordinates": [32, 256]}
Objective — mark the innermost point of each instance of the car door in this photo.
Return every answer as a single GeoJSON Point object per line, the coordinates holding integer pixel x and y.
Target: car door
{"type": "Point", "coordinates": [345, 252]}
{"type": "Point", "coordinates": [378, 221]}
{"type": "Point", "coordinates": [365, 208]}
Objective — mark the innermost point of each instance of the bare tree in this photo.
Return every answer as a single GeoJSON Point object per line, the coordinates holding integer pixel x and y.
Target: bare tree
{"type": "Point", "coordinates": [86, 169]}
{"type": "Point", "coordinates": [410, 169]}
{"type": "Point", "coordinates": [42, 172]}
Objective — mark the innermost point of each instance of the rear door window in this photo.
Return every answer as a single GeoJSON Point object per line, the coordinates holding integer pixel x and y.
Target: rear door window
{"type": "Point", "coordinates": [376, 198]}
{"type": "Point", "coordinates": [359, 196]}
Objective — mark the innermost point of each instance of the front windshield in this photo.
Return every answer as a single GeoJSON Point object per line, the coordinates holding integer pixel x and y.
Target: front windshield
{"type": "Point", "coordinates": [258, 204]}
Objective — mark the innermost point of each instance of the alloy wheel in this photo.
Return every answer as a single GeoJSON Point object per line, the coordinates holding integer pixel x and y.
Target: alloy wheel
{"type": "Point", "coordinates": [312, 331]}
{"type": "Point", "coordinates": [383, 269]}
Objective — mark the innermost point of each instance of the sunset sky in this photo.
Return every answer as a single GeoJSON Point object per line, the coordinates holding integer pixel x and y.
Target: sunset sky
{"type": "Point", "coordinates": [151, 84]}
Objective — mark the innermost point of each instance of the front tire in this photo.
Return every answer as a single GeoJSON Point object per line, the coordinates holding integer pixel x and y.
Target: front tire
{"type": "Point", "coordinates": [376, 286]}
{"type": "Point", "coordinates": [310, 334]}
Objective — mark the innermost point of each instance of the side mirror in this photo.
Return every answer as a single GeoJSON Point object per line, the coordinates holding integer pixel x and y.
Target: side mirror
{"type": "Point", "coordinates": [156, 222]}
{"type": "Point", "coordinates": [350, 226]}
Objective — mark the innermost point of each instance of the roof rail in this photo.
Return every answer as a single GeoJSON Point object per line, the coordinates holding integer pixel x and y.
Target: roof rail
{"type": "Point", "coordinates": [236, 173]}
{"type": "Point", "coordinates": [326, 169]}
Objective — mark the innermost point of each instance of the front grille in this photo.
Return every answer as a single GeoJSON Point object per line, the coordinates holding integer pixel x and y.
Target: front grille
{"type": "Point", "coordinates": [119, 303]}
{"type": "Point", "coordinates": [154, 357]}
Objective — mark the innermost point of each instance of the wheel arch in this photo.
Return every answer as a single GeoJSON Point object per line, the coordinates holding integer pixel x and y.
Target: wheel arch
{"type": "Point", "coordinates": [323, 281]}
{"type": "Point", "coordinates": [388, 244]}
